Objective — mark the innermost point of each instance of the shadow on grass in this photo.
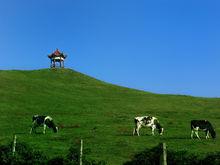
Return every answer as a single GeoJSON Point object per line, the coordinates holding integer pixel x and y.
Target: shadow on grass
{"type": "Point", "coordinates": [37, 133]}
{"type": "Point", "coordinates": [131, 134]}
{"type": "Point", "coordinates": [176, 137]}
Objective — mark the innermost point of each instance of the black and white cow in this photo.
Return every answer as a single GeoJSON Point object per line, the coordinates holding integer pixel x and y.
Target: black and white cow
{"type": "Point", "coordinates": [203, 125]}
{"type": "Point", "coordinates": [45, 121]}
{"type": "Point", "coordinates": [147, 121]}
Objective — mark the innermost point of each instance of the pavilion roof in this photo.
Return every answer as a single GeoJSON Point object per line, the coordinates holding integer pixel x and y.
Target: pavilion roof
{"type": "Point", "coordinates": [57, 53]}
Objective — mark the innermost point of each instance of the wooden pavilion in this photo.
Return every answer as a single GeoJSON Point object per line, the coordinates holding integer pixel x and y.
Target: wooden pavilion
{"type": "Point", "coordinates": [57, 57]}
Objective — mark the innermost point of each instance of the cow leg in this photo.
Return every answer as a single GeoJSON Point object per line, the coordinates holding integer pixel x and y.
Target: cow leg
{"type": "Point", "coordinates": [138, 128]}
{"type": "Point", "coordinates": [207, 134]}
{"type": "Point", "coordinates": [197, 132]}
{"type": "Point", "coordinates": [152, 129]}
{"type": "Point", "coordinates": [44, 131]}
{"type": "Point", "coordinates": [162, 131]}
{"type": "Point", "coordinates": [33, 128]}
{"type": "Point", "coordinates": [192, 132]}
{"type": "Point", "coordinates": [134, 131]}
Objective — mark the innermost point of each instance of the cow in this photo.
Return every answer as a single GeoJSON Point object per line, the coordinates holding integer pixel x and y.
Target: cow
{"type": "Point", "coordinates": [203, 125]}
{"type": "Point", "coordinates": [45, 121]}
{"type": "Point", "coordinates": [147, 121]}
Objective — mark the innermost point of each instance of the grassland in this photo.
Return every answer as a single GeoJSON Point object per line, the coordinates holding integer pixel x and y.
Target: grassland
{"type": "Point", "coordinates": [99, 113]}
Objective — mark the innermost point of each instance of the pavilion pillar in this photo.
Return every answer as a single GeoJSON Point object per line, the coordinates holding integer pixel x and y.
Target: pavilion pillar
{"type": "Point", "coordinates": [51, 63]}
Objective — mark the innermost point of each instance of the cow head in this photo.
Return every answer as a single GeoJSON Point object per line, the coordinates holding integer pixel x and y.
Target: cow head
{"type": "Point", "coordinates": [159, 127]}
{"type": "Point", "coordinates": [213, 133]}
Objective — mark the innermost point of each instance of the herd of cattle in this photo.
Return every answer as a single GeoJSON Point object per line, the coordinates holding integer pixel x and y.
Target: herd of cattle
{"type": "Point", "coordinates": [143, 121]}
{"type": "Point", "coordinates": [153, 123]}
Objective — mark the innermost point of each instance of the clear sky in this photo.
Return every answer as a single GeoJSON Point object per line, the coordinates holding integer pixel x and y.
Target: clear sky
{"type": "Point", "coordinates": [161, 46]}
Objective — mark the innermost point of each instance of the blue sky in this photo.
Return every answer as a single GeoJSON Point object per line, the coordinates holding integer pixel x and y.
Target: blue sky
{"type": "Point", "coordinates": [161, 46]}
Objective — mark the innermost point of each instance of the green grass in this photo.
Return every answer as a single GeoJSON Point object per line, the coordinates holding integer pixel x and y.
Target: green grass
{"type": "Point", "coordinates": [99, 113]}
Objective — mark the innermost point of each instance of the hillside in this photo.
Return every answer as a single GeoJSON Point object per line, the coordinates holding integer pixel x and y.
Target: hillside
{"type": "Point", "coordinates": [100, 113]}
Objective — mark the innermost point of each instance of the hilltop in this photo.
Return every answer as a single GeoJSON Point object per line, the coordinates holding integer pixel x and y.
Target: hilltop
{"type": "Point", "coordinates": [98, 112]}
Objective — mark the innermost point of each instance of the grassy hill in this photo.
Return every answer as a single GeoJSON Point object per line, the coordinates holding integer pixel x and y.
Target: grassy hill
{"type": "Point", "coordinates": [99, 113]}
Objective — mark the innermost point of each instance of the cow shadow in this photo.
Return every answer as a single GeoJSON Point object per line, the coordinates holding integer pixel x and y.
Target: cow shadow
{"type": "Point", "coordinates": [176, 137]}
{"type": "Point", "coordinates": [36, 133]}
{"type": "Point", "coordinates": [131, 134]}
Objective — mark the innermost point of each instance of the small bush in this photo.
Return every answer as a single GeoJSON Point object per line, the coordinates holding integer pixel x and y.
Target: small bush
{"type": "Point", "coordinates": [24, 155]}
{"type": "Point", "coordinates": [182, 158]}
{"type": "Point", "coordinates": [5, 154]}
{"type": "Point", "coordinates": [73, 157]}
{"type": "Point", "coordinates": [153, 157]}
{"type": "Point", "coordinates": [148, 156]}
{"type": "Point", "coordinates": [60, 161]}
{"type": "Point", "coordinates": [212, 158]}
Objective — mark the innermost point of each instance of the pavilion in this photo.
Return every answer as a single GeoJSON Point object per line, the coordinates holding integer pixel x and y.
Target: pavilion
{"type": "Point", "coordinates": [57, 57]}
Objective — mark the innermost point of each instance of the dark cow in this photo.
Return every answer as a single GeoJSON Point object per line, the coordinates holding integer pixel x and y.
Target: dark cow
{"type": "Point", "coordinates": [45, 121]}
{"type": "Point", "coordinates": [203, 125]}
{"type": "Point", "coordinates": [147, 121]}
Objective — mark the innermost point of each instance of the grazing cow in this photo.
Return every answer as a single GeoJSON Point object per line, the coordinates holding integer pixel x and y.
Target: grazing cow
{"type": "Point", "coordinates": [203, 125]}
{"type": "Point", "coordinates": [147, 121]}
{"type": "Point", "coordinates": [45, 121]}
